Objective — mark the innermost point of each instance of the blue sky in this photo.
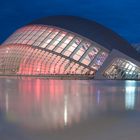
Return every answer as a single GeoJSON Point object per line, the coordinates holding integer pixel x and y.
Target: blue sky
{"type": "Point", "coordinates": [122, 16]}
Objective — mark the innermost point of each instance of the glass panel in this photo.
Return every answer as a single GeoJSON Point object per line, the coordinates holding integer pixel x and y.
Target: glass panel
{"type": "Point", "coordinates": [99, 60]}
{"type": "Point", "coordinates": [72, 47]}
{"type": "Point", "coordinates": [125, 70]}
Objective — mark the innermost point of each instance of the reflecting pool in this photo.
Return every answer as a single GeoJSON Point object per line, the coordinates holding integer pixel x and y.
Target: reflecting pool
{"type": "Point", "coordinates": [33, 109]}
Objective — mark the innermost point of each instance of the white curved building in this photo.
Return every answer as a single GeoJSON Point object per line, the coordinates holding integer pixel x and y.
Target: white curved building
{"type": "Point", "coordinates": [67, 46]}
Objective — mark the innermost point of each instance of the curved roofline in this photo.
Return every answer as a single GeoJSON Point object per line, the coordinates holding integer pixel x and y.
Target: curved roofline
{"type": "Point", "coordinates": [91, 30]}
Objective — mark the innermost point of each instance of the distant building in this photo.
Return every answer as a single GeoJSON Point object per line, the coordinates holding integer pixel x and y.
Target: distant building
{"type": "Point", "coordinates": [67, 46]}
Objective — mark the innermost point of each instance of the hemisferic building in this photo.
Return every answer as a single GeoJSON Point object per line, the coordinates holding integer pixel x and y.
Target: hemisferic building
{"type": "Point", "coordinates": [68, 46]}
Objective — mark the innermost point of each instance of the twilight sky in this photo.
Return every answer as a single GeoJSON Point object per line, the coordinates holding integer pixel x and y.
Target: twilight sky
{"type": "Point", "coordinates": [122, 16]}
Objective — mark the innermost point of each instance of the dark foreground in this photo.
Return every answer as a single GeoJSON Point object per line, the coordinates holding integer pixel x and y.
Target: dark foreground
{"type": "Point", "coordinates": [38, 109]}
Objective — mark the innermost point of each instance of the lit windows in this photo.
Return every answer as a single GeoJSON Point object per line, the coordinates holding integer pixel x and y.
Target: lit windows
{"type": "Point", "coordinates": [49, 50]}
{"type": "Point", "coordinates": [72, 46]}
{"type": "Point", "coordinates": [64, 43]}
{"type": "Point", "coordinates": [122, 70]}
{"type": "Point", "coordinates": [98, 61]}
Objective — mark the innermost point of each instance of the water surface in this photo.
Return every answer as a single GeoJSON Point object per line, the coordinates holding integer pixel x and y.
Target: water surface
{"type": "Point", "coordinates": [34, 109]}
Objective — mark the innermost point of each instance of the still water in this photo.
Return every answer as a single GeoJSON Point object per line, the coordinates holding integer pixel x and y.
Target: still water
{"type": "Point", "coordinates": [39, 109]}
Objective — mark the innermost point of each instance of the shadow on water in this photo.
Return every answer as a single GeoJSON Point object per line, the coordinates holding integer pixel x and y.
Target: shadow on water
{"type": "Point", "coordinates": [38, 108]}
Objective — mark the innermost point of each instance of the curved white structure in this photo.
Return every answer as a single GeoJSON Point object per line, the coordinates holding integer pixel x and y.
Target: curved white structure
{"type": "Point", "coordinates": [50, 50]}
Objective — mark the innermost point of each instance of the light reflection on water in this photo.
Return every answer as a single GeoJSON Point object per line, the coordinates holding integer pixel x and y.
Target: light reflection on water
{"type": "Point", "coordinates": [55, 104]}
{"type": "Point", "coordinates": [130, 88]}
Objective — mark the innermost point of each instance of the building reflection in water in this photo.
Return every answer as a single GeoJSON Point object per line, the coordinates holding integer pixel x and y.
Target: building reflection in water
{"type": "Point", "coordinates": [54, 104]}
{"type": "Point", "coordinates": [130, 95]}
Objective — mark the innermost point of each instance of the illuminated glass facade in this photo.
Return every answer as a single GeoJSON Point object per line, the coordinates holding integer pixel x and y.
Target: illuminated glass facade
{"type": "Point", "coordinates": [122, 69]}
{"type": "Point", "coordinates": [63, 50]}
{"type": "Point", "coordinates": [44, 50]}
